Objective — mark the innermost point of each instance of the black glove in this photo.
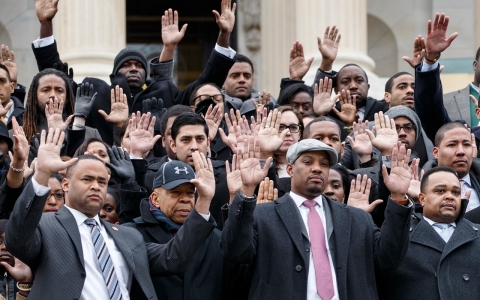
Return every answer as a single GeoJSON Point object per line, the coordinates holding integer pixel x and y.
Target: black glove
{"type": "Point", "coordinates": [155, 107]}
{"type": "Point", "coordinates": [84, 100]}
{"type": "Point", "coordinates": [63, 67]}
{"type": "Point", "coordinates": [120, 165]}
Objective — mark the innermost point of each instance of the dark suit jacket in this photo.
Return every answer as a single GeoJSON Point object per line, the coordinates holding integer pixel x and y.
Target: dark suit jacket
{"type": "Point", "coordinates": [202, 279]}
{"type": "Point", "coordinates": [433, 269]}
{"type": "Point", "coordinates": [17, 112]}
{"type": "Point", "coordinates": [273, 238]}
{"type": "Point", "coordinates": [50, 244]}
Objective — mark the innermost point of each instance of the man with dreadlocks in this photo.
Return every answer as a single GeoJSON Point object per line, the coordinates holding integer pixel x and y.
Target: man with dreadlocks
{"type": "Point", "coordinates": [50, 103]}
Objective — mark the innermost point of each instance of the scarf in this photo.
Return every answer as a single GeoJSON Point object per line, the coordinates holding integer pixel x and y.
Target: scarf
{"type": "Point", "coordinates": [168, 224]}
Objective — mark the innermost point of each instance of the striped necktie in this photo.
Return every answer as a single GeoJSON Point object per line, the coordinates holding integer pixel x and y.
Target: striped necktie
{"type": "Point", "coordinates": [106, 263]}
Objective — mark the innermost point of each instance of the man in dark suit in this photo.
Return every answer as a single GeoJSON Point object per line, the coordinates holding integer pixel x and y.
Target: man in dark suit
{"type": "Point", "coordinates": [11, 106]}
{"type": "Point", "coordinates": [304, 245]}
{"type": "Point", "coordinates": [101, 261]}
{"type": "Point", "coordinates": [440, 263]}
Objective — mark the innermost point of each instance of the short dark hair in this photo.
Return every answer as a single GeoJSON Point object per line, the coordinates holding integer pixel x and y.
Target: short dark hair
{"type": "Point", "coordinates": [389, 84]}
{"type": "Point", "coordinates": [83, 147]}
{"type": "Point", "coordinates": [346, 179]}
{"type": "Point", "coordinates": [424, 182]}
{"type": "Point", "coordinates": [72, 168]}
{"type": "Point", "coordinates": [2, 66]}
{"type": "Point", "coordinates": [351, 65]}
{"type": "Point", "coordinates": [287, 94]}
{"type": "Point", "coordinates": [173, 111]}
{"type": "Point", "coordinates": [189, 118]}
{"type": "Point", "coordinates": [446, 127]}
{"type": "Point", "coordinates": [193, 95]}
{"type": "Point", "coordinates": [57, 177]}
{"type": "Point", "coordinates": [306, 131]}
{"type": "Point", "coordinates": [239, 58]}
{"type": "Point", "coordinates": [477, 56]}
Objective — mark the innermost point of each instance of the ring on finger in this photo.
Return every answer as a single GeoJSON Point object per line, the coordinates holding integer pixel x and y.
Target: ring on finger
{"type": "Point", "coordinates": [267, 126]}
{"type": "Point", "coordinates": [9, 59]}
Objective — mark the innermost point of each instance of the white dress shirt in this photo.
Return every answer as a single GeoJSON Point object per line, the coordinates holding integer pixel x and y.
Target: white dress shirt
{"type": "Point", "coordinates": [473, 201]}
{"type": "Point", "coordinates": [94, 286]}
{"type": "Point", "coordinates": [438, 230]}
{"type": "Point", "coordinates": [312, 280]}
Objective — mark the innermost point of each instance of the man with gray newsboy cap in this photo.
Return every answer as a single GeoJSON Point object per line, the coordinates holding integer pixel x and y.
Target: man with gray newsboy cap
{"type": "Point", "coordinates": [323, 249]}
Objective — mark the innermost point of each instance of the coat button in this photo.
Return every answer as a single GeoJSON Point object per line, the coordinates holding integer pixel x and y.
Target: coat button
{"type": "Point", "coordinates": [298, 268]}
{"type": "Point", "coordinates": [308, 249]}
{"type": "Point", "coordinates": [465, 277]}
{"type": "Point", "coordinates": [83, 275]}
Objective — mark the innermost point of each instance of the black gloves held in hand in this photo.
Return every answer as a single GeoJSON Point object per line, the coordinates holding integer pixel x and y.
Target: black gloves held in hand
{"type": "Point", "coordinates": [84, 100]}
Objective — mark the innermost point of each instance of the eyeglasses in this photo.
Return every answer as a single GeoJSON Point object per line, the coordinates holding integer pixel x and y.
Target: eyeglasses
{"type": "Point", "coordinates": [57, 195]}
{"type": "Point", "coordinates": [294, 128]}
{"type": "Point", "coordinates": [215, 98]}
{"type": "Point", "coordinates": [407, 128]}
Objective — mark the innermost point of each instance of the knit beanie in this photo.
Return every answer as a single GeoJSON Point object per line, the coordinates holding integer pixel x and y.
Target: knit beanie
{"type": "Point", "coordinates": [403, 111]}
{"type": "Point", "coordinates": [126, 55]}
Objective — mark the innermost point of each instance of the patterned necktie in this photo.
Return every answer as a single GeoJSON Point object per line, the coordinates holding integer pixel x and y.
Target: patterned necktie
{"type": "Point", "coordinates": [106, 263]}
{"type": "Point", "coordinates": [323, 271]}
{"type": "Point", "coordinates": [445, 233]}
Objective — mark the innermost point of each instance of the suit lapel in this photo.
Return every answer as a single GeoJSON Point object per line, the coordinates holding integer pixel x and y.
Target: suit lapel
{"type": "Point", "coordinates": [424, 234]}
{"type": "Point", "coordinates": [289, 214]}
{"type": "Point", "coordinates": [65, 217]}
{"type": "Point", "coordinates": [339, 216]}
{"type": "Point", "coordinates": [121, 243]}
{"type": "Point", "coordinates": [464, 232]}
{"type": "Point", "coordinates": [368, 106]}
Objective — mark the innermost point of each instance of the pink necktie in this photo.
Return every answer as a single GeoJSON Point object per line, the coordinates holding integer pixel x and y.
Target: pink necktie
{"type": "Point", "coordinates": [323, 272]}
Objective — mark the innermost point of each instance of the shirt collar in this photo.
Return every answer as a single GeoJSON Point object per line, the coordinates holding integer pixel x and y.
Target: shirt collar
{"type": "Point", "coordinates": [467, 179]}
{"type": "Point", "coordinates": [299, 199]}
{"type": "Point", "coordinates": [432, 222]}
{"type": "Point", "coordinates": [81, 217]}
{"type": "Point", "coordinates": [474, 86]}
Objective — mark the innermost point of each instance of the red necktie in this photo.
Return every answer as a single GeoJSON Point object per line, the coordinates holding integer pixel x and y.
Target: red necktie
{"type": "Point", "coordinates": [323, 271]}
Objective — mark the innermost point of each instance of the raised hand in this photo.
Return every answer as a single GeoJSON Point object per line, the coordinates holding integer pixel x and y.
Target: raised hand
{"type": "Point", "coordinates": [63, 67]}
{"type": "Point", "coordinates": [155, 107]}
{"type": "Point", "coordinates": [348, 108]}
{"type": "Point", "coordinates": [118, 109]}
{"type": "Point", "coordinates": [398, 181]}
{"type": "Point", "coordinates": [250, 170]}
{"type": "Point", "coordinates": [19, 271]}
{"type": "Point", "coordinates": [329, 47]}
{"type": "Point", "coordinates": [46, 9]}
{"type": "Point", "coordinates": [298, 66]}
{"type": "Point", "coordinates": [171, 36]}
{"type": "Point", "coordinates": [270, 138]}
{"type": "Point", "coordinates": [204, 182]}
{"type": "Point", "coordinates": [8, 60]}
{"type": "Point", "coordinates": [322, 101]}
{"type": "Point", "coordinates": [120, 165]}
{"type": "Point", "coordinates": [226, 20]}
{"type": "Point", "coordinates": [360, 142]}
{"type": "Point", "coordinates": [20, 145]}
{"type": "Point", "coordinates": [386, 133]}
{"type": "Point", "coordinates": [360, 192]}
{"type": "Point", "coordinates": [48, 156]}
{"type": "Point", "coordinates": [141, 133]}
{"type": "Point", "coordinates": [436, 40]}
{"type": "Point", "coordinates": [234, 178]}
{"type": "Point", "coordinates": [418, 48]}
{"type": "Point", "coordinates": [414, 188]}
{"type": "Point", "coordinates": [213, 118]}
{"type": "Point", "coordinates": [54, 114]}
{"type": "Point", "coordinates": [238, 131]}
{"type": "Point", "coordinates": [84, 100]}
{"type": "Point", "coordinates": [266, 192]}
{"type": "Point", "coordinates": [4, 109]}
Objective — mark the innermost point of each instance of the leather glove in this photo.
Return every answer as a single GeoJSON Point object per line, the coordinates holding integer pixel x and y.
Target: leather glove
{"type": "Point", "coordinates": [63, 67]}
{"type": "Point", "coordinates": [84, 100]}
{"type": "Point", "coordinates": [155, 107]}
{"type": "Point", "coordinates": [120, 165]}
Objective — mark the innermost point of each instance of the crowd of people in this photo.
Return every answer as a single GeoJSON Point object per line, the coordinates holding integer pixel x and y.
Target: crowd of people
{"type": "Point", "coordinates": [135, 189]}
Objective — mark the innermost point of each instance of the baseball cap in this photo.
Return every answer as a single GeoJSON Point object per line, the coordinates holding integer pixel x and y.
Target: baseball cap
{"type": "Point", "coordinates": [173, 173]}
{"type": "Point", "coordinates": [309, 145]}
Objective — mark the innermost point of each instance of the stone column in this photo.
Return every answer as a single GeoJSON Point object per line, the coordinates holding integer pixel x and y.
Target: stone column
{"type": "Point", "coordinates": [285, 21]}
{"type": "Point", "coordinates": [89, 34]}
